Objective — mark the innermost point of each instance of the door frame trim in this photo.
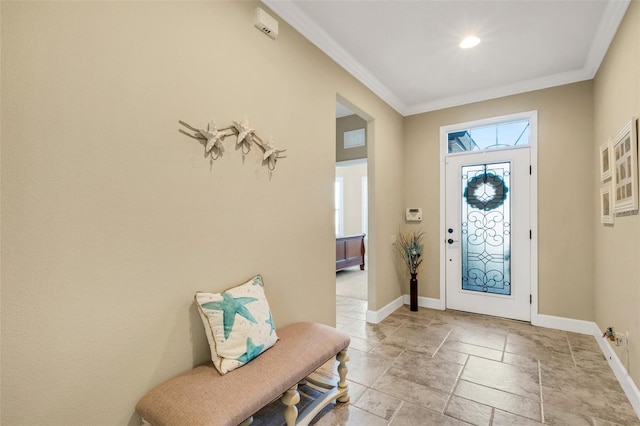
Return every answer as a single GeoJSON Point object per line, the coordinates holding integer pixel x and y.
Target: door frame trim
{"type": "Point", "coordinates": [533, 144]}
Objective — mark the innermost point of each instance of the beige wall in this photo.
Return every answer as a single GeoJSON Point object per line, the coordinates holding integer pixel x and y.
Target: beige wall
{"type": "Point", "coordinates": [344, 124]}
{"type": "Point", "coordinates": [112, 219]}
{"type": "Point", "coordinates": [617, 247]}
{"type": "Point", "coordinates": [565, 198]}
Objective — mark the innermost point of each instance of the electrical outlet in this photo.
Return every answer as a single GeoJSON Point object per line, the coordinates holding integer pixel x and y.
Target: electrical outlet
{"type": "Point", "coordinates": [622, 339]}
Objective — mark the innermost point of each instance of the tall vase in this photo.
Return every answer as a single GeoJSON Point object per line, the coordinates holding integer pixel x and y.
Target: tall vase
{"type": "Point", "coordinates": [413, 291]}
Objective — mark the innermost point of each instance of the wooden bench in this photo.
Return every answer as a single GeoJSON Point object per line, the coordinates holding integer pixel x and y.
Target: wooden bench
{"type": "Point", "coordinates": [202, 396]}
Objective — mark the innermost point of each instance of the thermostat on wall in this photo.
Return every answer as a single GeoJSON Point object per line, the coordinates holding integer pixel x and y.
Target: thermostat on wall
{"type": "Point", "coordinates": [414, 215]}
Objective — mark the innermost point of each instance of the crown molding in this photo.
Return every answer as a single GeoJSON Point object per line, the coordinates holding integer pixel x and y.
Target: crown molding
{"type": "Point", "coordinates": [500, 91]}
{"type": "Point", "coordinates": [609, 23]}
{"type": "Point", "coordinates": [300, 21]}
{"type": "Point", "coordinates": [611, 19]}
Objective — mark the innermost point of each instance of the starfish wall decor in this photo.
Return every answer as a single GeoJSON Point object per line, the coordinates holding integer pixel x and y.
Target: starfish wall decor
{"type": "Point", "coordinates": [212, 139]}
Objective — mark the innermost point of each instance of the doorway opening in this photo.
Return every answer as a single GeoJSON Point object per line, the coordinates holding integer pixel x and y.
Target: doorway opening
{"type": "Point", "coordinates": [351, 216]}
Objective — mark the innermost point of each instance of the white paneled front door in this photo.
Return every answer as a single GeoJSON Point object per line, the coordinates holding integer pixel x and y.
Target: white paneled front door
{"type": "Point", "coordinates": [488, 233]}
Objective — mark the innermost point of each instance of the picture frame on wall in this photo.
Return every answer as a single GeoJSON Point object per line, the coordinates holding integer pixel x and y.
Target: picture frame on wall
{"type": "Point", "coordinates": [605, 161]}
{"type": "Point", "coordinates": [624, 149]}
{"type": "Point", "coordinates": [606, 205]}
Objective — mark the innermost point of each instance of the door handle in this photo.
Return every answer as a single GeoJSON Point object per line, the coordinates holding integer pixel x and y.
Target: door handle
{"type": "Point", "coordinates": [451, 240]}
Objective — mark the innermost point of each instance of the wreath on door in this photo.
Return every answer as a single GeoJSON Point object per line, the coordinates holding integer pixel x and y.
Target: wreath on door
{"type": "Point", "coordinates": [487, 202]}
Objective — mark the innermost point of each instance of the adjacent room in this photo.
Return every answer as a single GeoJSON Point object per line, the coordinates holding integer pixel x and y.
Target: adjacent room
{"type": "Point", "coordinates": [352, 215]}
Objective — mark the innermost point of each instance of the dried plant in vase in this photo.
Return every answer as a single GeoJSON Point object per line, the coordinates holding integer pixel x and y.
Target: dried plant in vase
{"type": "Point", "coordinates": [410, 247]}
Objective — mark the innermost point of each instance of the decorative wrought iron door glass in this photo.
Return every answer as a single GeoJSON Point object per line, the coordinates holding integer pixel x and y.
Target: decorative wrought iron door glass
{"type": "Point", "coordinates": [486, 228]}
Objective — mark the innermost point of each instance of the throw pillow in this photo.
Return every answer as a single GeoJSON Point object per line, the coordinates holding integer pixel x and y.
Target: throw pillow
{"type": "Point", "coordinates": [238, 324]}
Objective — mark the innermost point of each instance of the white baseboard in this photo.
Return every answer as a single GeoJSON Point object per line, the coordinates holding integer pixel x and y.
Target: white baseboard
{"type": "Point", "coordinates": [625, 380]}
{"type": "Point", "coordinates": [376, 316]}
{"type": "Point", "coordinates": [565, 324]}
{"type": "Point", "coordinates": [426, 302]}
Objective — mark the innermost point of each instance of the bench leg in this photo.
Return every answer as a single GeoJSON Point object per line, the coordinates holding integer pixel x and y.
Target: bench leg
{"type": "Point", "coordinates": [342, 358]}
{"type": "Point", "coordinates": [247, 422]}
{"type": "Point", "coordinates": [290, 399]}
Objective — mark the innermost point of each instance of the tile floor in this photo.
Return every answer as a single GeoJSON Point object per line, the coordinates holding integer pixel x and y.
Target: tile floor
{"type": "Point", "coordinates": [452, 368]}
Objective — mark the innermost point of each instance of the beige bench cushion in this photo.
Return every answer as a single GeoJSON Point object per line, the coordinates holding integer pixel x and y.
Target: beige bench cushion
{"type": "Point", "coordinates": [203, 396]}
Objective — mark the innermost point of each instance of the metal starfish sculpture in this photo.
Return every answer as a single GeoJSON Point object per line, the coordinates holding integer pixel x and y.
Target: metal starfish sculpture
{"type": "Point", "coordinates": [245, 135]}
{"type": "Point", "coordinates": [271, 153]}
{"type": "Point", "coordinates": [213, 137]}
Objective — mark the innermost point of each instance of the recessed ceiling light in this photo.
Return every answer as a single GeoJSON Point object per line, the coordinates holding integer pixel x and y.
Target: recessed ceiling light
{"type": "Point", "coordinates": [469, 42]}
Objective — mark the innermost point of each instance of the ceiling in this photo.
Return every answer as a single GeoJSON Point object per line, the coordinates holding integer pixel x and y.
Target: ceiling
{"type": "Point", "coordinates": [407, 51]}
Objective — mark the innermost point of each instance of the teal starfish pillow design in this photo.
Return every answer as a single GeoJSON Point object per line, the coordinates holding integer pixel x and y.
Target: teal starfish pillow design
{"type": "Point", "coordinates": [238, 324]}
{"type": "Point", "coordinates": [252, 351]}
{"type": "Point", "coordinates": [230, 306]}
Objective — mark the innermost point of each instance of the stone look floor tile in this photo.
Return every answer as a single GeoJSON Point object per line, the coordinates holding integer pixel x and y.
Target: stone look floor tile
{"type": "Point", "coordinates": [408, 319]}
{"type": "Point", "coordinates": [425, 371]}
{"type": "Point", "coordinates": [387, 351]}
{"type": "Point", "coordinates": [511, 403]}
{"type": "Point", "coordinates": [600, 422]}
{"type": "Point", "coordinates": [451, 356]}
{"type": "Point", "coordinates": [469, 349]}
{"type": "Point", "coordinates": [421, 313]}
{"type": "Point", "coordinates": [505, 377]}
{"type": "Point", "coordinates": [586, 392]}
{"type": "Point", "coordinates": [378, 403]}
{"type": "Point", "coordinates": [418, 338]}
{"type": "Point", "coordinates": [408, 390]}
{"type": "Point", "coordinates": [340, 324]}
{"type": "Point", "coordinates": [484, 338]}
{"type": "Point", "coordinates": [540, 347]}
{"type": "Point", "coordinates": [413, 415]}
{"type": "Point", "coordinates": [502, 418]}
{"type": "Point", "coordinates": [347, 317]}
{"type": "Point", "coordinates": [366, 368]}
{"type": "Point", "coordinates": [583, 341]}
{"type": "Point", "coordinates": [363, 345]}
{"type": "Point", "coordinates": [371, 332]}
{"type": "Point", "coordinates": [528, 362]}
{"type": "Point", "coordinates": [394, 320]}
{"type": "Point", "coordinates": [469, 411]}
{"type": "Point", "coordinates": [356, 390]}
{"type": "Point", "coordinates": [554, 415]}
{"type": "Point", "coordinates": [428, 349]}
{"type": "Point", "coordinates": [346, 414]}
{"type": "Point", "coordinates": [589, 359]}
{"type": "Point", "coordinates": [453, 368]}
{"type": "Point", "coordinates": [431, 333]}
{"type": "Point", "coordinates": [537, 342]}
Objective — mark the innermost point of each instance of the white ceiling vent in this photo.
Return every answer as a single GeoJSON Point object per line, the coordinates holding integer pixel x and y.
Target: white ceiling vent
{"type": "Point", "coordinates": [266, 23]}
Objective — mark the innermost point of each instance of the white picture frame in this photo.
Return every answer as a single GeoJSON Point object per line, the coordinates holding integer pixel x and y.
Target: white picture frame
{"type": "Point", "coordinates": [605, 161]}
{"type": "Point", "coordinates": [606, 205]}
{"type": "Point", "coordinates": [624, 173]}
